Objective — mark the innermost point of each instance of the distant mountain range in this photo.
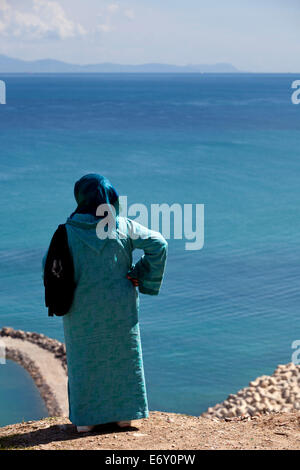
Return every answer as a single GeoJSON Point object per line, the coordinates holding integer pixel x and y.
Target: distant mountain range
{"type": "Point", "coordinates": [10, 65]}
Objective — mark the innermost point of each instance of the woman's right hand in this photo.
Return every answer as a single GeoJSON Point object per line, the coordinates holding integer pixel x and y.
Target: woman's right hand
{"type": "Point", "coordinates": [134, 281]}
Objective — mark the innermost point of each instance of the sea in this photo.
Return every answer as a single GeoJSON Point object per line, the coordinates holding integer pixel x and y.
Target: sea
{"type": "Point", "coordinates": [227, 312]}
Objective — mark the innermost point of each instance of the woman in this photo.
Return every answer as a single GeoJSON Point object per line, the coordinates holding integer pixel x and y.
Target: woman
{"type": "Point", "coordinates": [106, 380]}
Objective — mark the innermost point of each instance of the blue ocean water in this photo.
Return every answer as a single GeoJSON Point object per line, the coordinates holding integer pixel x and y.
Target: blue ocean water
{"type": "Point", "coordinates": [19, 397]}
{"type": "Point", "coordinates": [227, 313]}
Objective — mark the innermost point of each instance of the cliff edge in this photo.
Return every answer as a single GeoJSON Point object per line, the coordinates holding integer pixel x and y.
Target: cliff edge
{"type": "Point", "coordinates": [161, 431]}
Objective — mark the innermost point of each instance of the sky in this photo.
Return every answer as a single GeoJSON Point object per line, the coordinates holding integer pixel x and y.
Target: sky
{"type": "Point", "coordinates": [253, 35]}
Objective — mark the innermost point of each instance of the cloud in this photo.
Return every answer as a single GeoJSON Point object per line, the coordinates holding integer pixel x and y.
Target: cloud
{"type": "Point", "coordinates": [34, 20]}
{"type": "Point", "coordinates": [3, 5]}
{"type": "Point", "coordinates": [37, 19]}
{"type": "Point", "coordinates": [129, 14]}
{"type": "Point", "coordinates": [113, 7]}
{"type": "Point", "coordinates": [113, 14]}
{"type": "Point", "coordinates": [104, 28]}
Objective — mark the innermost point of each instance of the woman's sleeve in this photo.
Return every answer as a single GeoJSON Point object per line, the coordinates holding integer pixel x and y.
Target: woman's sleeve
{"type": "Point", "coordinates": [149, 270]}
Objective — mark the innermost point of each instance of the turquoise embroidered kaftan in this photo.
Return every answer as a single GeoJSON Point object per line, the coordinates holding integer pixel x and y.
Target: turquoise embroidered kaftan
{"type": "Point", "coordinates": [106, 381]}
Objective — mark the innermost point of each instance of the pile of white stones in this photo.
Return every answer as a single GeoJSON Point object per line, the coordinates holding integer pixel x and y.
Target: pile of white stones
{"type": "Point", "coordinates": [279, 392]}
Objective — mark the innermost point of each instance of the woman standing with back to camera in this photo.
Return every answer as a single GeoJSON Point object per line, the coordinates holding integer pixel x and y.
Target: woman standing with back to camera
{"type": "Point", "coordinates": [106, 380]}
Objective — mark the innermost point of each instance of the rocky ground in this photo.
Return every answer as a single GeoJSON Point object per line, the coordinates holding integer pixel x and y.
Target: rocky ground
{"type": "Point", "coordinates": [165, 431]}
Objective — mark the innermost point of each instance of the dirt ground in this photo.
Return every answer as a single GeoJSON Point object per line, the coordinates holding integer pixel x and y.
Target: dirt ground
{"type": "Point", "coordinates": [168, 431]}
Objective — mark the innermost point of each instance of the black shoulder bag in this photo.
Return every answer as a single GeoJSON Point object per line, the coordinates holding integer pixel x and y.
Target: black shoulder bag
{"type": "Point", "coordinates": [59, 274]}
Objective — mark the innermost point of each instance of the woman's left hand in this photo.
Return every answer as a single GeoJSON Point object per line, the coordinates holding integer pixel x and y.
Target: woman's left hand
{"type": "Point", "coordinates": [134, 281]}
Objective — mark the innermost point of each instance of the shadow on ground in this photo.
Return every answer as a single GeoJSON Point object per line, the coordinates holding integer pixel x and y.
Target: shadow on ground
{"type": "Point", "coordinates": [56, 433]}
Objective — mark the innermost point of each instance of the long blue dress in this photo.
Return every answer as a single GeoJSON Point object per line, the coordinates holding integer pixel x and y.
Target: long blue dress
{"type": "Point", "coordinates": [106, 380]}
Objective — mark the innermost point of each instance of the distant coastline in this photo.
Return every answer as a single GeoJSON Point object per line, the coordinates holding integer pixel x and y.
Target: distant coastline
{"type": "Point", "coordinates": [12, 65]}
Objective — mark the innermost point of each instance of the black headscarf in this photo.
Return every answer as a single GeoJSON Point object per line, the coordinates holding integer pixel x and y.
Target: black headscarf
{"type": "Point", "coordinates": [93, 190]}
